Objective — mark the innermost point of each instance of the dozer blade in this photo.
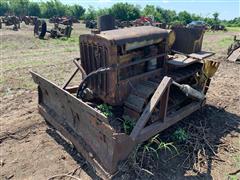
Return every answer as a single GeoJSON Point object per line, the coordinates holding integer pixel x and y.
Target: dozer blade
{"type": "Point", "coordinates": [85, 127]}
{"type": "Point", "coordinates": [89, 130]}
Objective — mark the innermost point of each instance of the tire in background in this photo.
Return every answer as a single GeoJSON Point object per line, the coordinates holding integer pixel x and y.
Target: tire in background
{"type": "Point", "coordinates": [43, 30]}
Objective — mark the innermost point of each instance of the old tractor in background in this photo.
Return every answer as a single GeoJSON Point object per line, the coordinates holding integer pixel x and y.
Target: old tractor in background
{"type": "Point", "coordinates": [151, 76]}
{"type": "Point", "coordinates": [59, 30]}
{"type": "Point", "coordinates": [91, 24]}
{"type": "Point", "coordinates": [218, 27]}
{"type": "Point", "coordinates": [10, 21]}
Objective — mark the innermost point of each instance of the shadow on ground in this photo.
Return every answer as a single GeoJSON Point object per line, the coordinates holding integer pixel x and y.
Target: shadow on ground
{"type": "Point", "coordinates": [206, 129]}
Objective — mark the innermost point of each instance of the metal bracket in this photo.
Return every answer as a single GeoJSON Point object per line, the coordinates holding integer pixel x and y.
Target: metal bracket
{"type": "Point", "coordinates": [79, 68]}
{"type": "Point", "coordinates": [160, 93]}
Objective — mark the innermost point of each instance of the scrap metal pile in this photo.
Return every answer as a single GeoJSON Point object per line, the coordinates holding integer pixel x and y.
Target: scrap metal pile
{"type": "Point", "coordinates": [142, 21]}
{"type": "Point", "coordinates": [91, 24]}
{"type": "Point", "coordinates": [150, 76]}
{"type": "Point", "coordinates": [66, 20]}
{"type": "Point", "coordinates": [15, 21]}
{"type": "Point", "coordinates": [29, 20]}
{"type": "Point", "coordinates": [10, 21]}
{"type": "Point", "coordinates": [59, 30]}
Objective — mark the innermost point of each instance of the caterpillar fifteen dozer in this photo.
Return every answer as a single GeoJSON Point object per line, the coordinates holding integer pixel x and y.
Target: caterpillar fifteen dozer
{"type": "Point", "coordinates": [141, 76]}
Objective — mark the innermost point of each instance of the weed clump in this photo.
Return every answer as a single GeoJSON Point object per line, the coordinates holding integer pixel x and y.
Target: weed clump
{"type": "Point", "coordinates": [105, 109]}
{"type": "Point", "coordinates": [180, 135]}
{"type": "Point", "coordinates": [128, 124]}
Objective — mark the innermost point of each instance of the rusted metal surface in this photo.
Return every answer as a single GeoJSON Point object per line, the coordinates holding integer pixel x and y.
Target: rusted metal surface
{"type": "Point", "coordinates": [106, 22]}
{"type": "Point", "coordinates": [99, 140]}
{"type": "Point", "coordinates": [188, 40]}
{"type": "Point", "coordinates": [134, 34]}
{"type": "Point", "coordinates": [131, 71]}
{"type": "Point", "coordinates": [163, 86]}
{"type": "Point", "coordinates": [234, 50]}
{"type": "Point", "coordinates": [108, 50]}
{"type": "Point", "coordinates": [235, 56]}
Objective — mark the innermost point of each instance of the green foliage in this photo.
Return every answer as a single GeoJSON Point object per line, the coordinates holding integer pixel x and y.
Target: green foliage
{"type": "Point", "coordinates": [166, 16]}
{"type": "Point", "coordinates": [158, 144]}
{"type": "Point", "coordinates": [53, 8]}
{"type": "Point", "coordinates": [4, 7]}
{"type": "Point", "coordinates": [77, 11]}
{"type": "Point", "coordinates": [184, 17]}
{"type": "Point", "coordinates": [232, 23]}
{"type": "Point", "coordinates": [103, 11]}
{"type": "Point", "coordinates": [91, 14]}
{"type": "Point", "coordinates": [128, 124]}
{"type": "Point", "coordinates": [105, 109]}
{"type": "Point", "coordinates": [34, 9]}
{"type": "Point", "coordinates": [177, 22]}
{"type": "Point", "coordinates": [149, 10]}
{"type": "Point", "coordinates": [19, 7]}
{"type": "Point", "coordinates": [180, 135]}
{"type": "Point", "coordinates": [155, 144]}
{"type": "Point", "coordinates": [215, 16]}
{"type": "Point", "coordinates": [125, 11]}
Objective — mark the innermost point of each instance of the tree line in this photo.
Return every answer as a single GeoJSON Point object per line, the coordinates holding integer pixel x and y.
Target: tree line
{"type": "Point", "coordinates": [42, 9]}
{"type": "Point", "coordinates": [121, 11]}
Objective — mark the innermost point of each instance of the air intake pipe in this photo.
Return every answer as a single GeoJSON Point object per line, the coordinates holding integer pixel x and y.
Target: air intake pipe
{"type": "Point", "coordinates": [106, 22]}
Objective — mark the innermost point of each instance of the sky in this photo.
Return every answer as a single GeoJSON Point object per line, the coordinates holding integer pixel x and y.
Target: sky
{"type": "Point", "coordinates": [228, 9]}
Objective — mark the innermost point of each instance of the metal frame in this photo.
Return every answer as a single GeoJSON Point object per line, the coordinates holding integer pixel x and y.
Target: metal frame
{"type": "Point", "coordinates": [89, 130]}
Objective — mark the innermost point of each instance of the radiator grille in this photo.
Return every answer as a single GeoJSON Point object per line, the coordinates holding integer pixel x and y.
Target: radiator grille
{"type": "Point", "coordinates": [94, 57]}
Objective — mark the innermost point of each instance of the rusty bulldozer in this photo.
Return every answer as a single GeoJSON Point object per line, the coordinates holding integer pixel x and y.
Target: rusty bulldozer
{"type": "Point", "coordinates": [148, 74]}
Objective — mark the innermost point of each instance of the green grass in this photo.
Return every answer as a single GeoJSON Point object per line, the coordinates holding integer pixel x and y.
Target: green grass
{"type": "Point", "coordinates": [214, 32]}
{"type": "Point", "coordinates": [73, 40]}
{"type": "Point", "coordinates": [225, 42]}
{"type": "Point", "coordinates": [233, 177]}
{"type": "Point", "coordinates": [237, 161]}
{"type": "Point", "coordinates": [233, 29]}
{"type": "Point", "coordinates": [9, 46]}
{"type": "Point", "coordinates": [25, 64]}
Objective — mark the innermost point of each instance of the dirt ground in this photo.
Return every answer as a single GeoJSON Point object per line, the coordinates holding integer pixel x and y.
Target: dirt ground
{"type": "Point", "coordinates": [29, 149]}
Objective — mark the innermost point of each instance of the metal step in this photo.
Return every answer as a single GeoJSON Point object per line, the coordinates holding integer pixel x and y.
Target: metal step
{"type": "Point", "coordinates": [138, 98]}
{"type": "Point", "coordinates": [144, 91]}
{"type": "Point", "coordinates": [135, 102]}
